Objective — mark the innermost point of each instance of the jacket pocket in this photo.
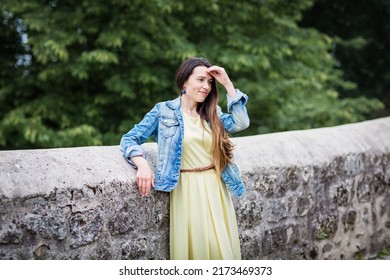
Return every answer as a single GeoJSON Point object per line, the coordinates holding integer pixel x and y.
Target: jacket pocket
{"type": "Point", "coordinates": [168, 126]}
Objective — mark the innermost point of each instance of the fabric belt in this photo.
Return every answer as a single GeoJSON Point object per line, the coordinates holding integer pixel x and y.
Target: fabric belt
{"type": "Point", "coordinates": [198, 169]}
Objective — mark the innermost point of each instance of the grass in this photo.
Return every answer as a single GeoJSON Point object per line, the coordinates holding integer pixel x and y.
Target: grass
{"type": "Point", "coordinates": [384, 253]}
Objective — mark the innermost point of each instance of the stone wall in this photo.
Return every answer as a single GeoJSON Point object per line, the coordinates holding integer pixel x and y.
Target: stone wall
{"type": "Point", "coordinates": [312, 194]}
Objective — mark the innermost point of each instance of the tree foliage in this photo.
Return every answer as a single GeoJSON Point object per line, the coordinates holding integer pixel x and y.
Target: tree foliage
{"type": "Point", "coordinates": [360, 31]}
{"type": "Point", "coordinates": [84, 72]}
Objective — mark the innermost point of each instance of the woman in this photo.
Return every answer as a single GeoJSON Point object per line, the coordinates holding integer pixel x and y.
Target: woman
{"type": "Point", "coordinates": [194, 161]}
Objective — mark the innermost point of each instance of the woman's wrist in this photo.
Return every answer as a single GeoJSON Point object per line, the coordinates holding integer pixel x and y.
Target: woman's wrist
{"type": "Point", "coordinates": [139, 161]}
{"type": "Point", "coordinates": [231, 91]}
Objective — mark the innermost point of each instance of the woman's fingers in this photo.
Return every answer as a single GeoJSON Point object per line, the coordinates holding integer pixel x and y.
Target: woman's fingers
{"type": "Point", "coordinates": [145, 176]}
{"type": "Point", "coordinates": [219, 74]}
{"type": "Point", "coordinates": [216, 69]}
{"type": "Point", "coordinates": [145, 184]}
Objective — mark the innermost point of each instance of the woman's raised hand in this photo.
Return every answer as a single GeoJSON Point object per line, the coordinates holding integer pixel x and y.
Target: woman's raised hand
{"type": "Point", "coordinates": [219, 74]}
{"type": "Point", "coordinates": [222, 77]}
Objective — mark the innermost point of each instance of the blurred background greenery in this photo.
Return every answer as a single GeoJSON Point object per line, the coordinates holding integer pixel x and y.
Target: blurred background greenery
{"type": "Point", "coordinates": [78, 73]}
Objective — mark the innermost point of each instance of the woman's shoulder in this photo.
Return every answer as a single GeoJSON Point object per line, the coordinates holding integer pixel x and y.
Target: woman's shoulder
{"type": "Point", "coordinates": [173, 103]}
{"type": "Point", "coordinates": [167, 107]}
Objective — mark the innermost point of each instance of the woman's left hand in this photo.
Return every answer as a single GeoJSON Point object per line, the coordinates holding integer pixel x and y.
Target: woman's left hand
{"type": "Point", "coordinates": [220, 75]}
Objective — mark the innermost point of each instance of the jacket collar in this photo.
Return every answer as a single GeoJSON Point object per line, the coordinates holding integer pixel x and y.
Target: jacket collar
{"type": "Point", "coordinates": [174, 104]}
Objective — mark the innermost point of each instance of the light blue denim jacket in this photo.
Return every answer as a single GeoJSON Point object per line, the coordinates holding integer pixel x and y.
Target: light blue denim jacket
{"type": "Point", "coordinates": [165, 123]}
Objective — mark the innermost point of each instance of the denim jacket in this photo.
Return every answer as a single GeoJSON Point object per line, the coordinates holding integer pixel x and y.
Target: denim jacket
{"type": "Point", "coordinates": [165, 123]}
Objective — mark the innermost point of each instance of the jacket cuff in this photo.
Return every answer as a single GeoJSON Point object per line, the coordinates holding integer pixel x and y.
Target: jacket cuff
{"type": "Point", "coordinates": [134, 151]}
{"type": "Point", "coordinates": [239, 97]}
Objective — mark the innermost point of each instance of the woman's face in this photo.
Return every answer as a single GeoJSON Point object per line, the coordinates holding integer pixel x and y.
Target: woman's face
{"type": "Point", "coordinates": [198, 85]}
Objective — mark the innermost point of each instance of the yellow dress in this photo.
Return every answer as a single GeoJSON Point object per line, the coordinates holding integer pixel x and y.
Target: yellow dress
{"type": "Point", "coordinates": [202, 218]}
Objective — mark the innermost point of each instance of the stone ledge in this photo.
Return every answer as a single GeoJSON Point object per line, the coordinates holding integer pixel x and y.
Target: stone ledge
{"type": "Point", "coordinates": [312, 194]}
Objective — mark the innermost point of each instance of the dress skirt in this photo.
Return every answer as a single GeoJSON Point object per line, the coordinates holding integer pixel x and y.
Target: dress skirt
{"type": "Point", "coordinates": [202, 218]}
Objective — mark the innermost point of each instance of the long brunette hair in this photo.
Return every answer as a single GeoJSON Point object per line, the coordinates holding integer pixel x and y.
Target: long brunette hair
{"type": "Point", "coordinates": [222, 148]}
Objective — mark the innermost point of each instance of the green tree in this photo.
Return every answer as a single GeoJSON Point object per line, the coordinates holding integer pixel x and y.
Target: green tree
{"type": "Point", "coordinates": [360, 31]}
{"type": "Point", "coordinates": [13, 58]}
{"type": "Point", "coordinates": [96, 67]}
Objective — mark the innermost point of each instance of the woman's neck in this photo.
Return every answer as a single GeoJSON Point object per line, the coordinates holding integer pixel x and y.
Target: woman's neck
{"type": "Point", "coordinates": [188, 105]}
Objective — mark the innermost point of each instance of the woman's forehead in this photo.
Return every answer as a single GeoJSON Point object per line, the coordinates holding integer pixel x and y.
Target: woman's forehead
{"type": "Point", "coordinates": [201, 71]}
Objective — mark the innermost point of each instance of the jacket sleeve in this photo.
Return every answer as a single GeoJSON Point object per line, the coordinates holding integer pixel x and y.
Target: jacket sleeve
{"type": "Point", "coordinates": [236, 118]}
{"type": "Point", "coordinates": [130, 143]}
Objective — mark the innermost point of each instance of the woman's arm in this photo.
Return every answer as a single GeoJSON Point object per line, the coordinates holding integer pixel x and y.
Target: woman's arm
{"type": "Point", "coordinates": [130, 143]}
{"type": "Point", "coordinates": [237, 118]}
{"type": "Point", "coordinates": [133, 152]}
